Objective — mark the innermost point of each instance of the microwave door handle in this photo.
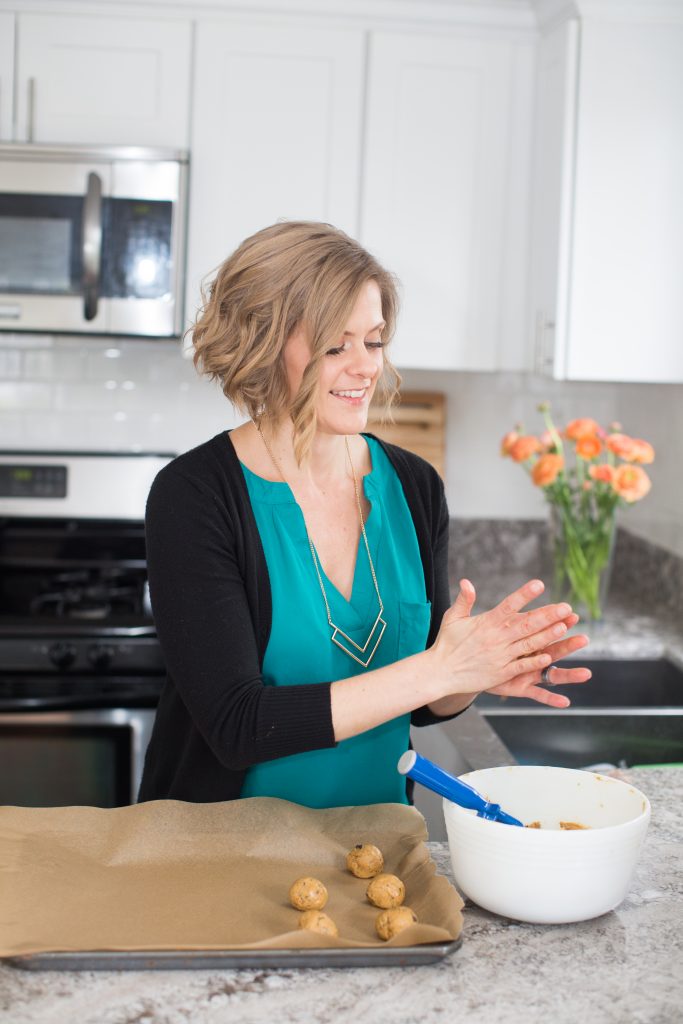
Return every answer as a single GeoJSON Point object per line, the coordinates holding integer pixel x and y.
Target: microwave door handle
{"type": "Point", "coordinates": [92, 245]}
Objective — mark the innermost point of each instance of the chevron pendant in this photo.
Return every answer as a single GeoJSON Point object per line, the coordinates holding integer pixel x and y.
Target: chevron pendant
{"type": "Point", "coordinates": [376, 632]}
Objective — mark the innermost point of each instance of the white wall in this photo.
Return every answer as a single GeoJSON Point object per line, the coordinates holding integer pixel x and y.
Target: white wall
{"type": "Point", "coordinates": [656, 413]}
{"type": "Point", "coordinates": [482, 407]}
{"type": "Point", "coordinates": [70, 393]}
{"type": "Point", "coordinates": [112, 395]}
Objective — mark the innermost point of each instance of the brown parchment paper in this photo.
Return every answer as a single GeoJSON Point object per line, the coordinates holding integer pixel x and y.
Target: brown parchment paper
{"type": "Point", "coordinates": [169, 875]}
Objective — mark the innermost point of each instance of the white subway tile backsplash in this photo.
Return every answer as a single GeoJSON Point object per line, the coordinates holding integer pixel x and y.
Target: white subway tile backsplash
{"type": "Point", "coordinates": [71, 397]}
{"type": "Point", "coordinates": [25, 342]}
{"type": "Point", "coordinates": [69, 393]}
{"type": "Point", "coordinates": [11, 430]}
{"type": "Point", "coordinates": [20, 395]}
{"type": "Point", "coordinates": [53, 364]}
{"type": "Point", "coordinates": [10, 364]}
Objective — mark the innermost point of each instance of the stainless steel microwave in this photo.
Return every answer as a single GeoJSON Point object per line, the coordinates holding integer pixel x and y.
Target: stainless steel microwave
{"type": "Point", "coordinates": [92, 240]}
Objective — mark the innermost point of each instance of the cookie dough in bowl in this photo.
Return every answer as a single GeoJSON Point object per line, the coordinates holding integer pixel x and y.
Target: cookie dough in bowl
{"type": "Point", "coordinates": [548, 874]}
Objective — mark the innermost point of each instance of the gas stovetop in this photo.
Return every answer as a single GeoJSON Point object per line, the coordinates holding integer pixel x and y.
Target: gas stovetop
{"type": "Point", "coordinates": [74, 599]}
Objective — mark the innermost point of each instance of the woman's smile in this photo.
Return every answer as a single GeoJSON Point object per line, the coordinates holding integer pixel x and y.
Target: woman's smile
{"type": "Point", "coordinates": [352, 396]}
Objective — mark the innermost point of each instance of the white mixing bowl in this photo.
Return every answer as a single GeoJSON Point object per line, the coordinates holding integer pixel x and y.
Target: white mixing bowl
{"type": "Point", "coordinates": [548, 875]}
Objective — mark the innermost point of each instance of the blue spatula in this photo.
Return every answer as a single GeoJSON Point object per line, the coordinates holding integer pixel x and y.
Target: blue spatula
{"type": "Point", "coordinates": [432, 777]}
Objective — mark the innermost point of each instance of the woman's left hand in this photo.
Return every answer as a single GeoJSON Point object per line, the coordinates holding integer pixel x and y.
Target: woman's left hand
{"type": "Point", "coordinates": [529, 684]}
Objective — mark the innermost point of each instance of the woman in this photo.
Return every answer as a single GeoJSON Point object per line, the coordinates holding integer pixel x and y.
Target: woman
{"type": "Point", "coordinates": [298, 567]}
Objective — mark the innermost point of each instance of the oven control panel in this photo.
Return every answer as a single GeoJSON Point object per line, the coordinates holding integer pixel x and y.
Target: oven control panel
{"type": "Point", "coordinates": [81, 655]}
{"type": "Point", "coordinates": [77, 485]}
{"type": "Point", "coordinates": [22, 480]}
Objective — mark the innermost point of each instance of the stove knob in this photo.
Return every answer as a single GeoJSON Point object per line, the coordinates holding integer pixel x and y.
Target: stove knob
{"type": "Point", "coordinates": [62, 655]}
{"type": "Point", "coordinates": [100, 656]}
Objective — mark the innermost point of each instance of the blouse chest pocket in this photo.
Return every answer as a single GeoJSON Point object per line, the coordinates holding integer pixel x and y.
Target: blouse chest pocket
{"type": "Point", "coordinates": [413, 627]}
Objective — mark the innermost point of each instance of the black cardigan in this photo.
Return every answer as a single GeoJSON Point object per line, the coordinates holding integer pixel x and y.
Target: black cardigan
{"type": "Point", "coordinates": [212, 608]}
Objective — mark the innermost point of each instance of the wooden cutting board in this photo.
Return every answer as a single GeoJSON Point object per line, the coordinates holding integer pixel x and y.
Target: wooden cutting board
{"type": "Point", "coordinates": [419, 424]}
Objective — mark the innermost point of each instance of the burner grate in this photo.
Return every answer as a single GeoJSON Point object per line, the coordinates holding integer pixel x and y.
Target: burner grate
{"type": "Point", "coordinates": [90, 594]}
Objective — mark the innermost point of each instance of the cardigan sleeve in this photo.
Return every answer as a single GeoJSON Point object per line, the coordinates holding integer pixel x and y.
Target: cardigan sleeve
{"type": "Point", "coordinates": [206, 632]}
{"type": "Point", "coordinates": [441, 598]}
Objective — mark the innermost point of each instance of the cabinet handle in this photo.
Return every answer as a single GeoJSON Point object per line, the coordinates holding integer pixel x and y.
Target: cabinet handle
{"type": "Point", "coordinates": [31, 109]}
{"type": "Point", "coordinates": [543, 359]}
{"type": "Point", "coordinates": [92, 245]}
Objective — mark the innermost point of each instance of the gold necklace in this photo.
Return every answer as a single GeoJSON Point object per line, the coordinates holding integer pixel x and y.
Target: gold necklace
{"type": "Point", "coordinates": [379, 624]}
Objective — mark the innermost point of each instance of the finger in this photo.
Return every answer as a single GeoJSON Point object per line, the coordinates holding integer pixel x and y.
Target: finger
{"type": "Point", "coordinates": [526, 685]}
{"type": "Point", "coordinates": [464, 602]}
{"type": "Point", "coordinates": [538, 641]}
{"type": "Point", "coordinates": [518, 599]}
{"type": "Point", "coordinates": [521, 666]}
{"type": "Point", "coordinates": [547, 697]}
{"type": "Point", "coordinates": [565, 676]}
{"type": "Point", "coordinates": [563, 648]}
{"type": "Point", "coordinates": [529, 623]}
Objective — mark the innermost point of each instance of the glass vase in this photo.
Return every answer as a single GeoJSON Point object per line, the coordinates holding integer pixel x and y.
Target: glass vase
{"type": "Point", "coordinates": [583, 551]}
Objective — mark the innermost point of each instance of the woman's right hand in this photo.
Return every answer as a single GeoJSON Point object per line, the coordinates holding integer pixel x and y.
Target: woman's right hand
{"type": "Point", "coordinates": [473, 653]}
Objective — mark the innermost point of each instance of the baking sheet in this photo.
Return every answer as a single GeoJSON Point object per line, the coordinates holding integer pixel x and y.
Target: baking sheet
{"type": "Point", "coordinates": [404, 956]}
{"type": "Point", "coordinates": [168, 876]}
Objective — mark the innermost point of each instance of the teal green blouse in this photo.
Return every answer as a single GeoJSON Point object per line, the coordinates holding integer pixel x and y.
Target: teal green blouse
{"type": "Point", "coordinates": [362, 769]}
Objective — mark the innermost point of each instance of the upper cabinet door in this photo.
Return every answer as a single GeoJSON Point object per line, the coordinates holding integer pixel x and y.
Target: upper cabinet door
{"type": "Point", "coordinates": [96, 80]}
{"type": "Point", "coordinates": [6, 76]}
{"type": "Point", "coordinates": [276, 133]}
{"type": "Point", "coordinates": [445, 193]}
{"type": "Point", "coordinates": [626, 303]}
{"type": "Point", "coordinates": [553, 177]}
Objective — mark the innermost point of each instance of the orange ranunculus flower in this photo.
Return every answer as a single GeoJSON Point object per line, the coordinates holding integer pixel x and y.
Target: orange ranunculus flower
{"type": "Point", "coordinates": [524, 447]}
{"type": "Point", "coordinates": [588, 447]}
{"type": "Point", "coordinates": [604, 473]}
{"type": "Point", "coordinates": [621, 445]}
{"type": "Point", "coordinates": [643, 451]}
{"type": "Point", "coordinates": [546, 469]}
{"type": "Point", "coordinates": [508, 441]}
{"type": "Point", "coordinates": [631, 483]}
{"type": "Point", "coordinates": [546, 440]}
{"type": "Point", "coordinates": [584, 427]}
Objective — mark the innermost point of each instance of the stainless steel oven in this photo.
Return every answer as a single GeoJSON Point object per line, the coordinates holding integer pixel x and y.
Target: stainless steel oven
{"type": "Point", "coordinates": [92, 240]}
{"type": "Point", "coordinates": [68, 758]}
{"type": "Point", "coordinates": [80, 666]}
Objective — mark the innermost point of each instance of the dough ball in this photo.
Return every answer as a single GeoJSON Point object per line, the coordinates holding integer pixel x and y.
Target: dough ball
{"type": "Point", "coordinates": [316, 921]}
{"type": "Point", "coordinates": [391, 922]}
{"type": "Point", "coordinates": [308, 894]}
{"type": "Point", "coordinates": [364, 860]}
{"type": "Point", "coordinates": [386, 891]}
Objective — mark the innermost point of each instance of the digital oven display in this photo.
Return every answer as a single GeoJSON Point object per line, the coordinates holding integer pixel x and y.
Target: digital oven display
{"type": "Point", "coordinates": [22, 481]}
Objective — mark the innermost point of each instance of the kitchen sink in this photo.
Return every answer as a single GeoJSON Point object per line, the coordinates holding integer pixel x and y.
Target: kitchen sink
{"type": "Point", "coordinates": [630, 712]}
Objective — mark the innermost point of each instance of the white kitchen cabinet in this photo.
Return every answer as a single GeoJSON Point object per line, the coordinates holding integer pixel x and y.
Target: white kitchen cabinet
{"type": "Point", "coordinates": [276, 134]}
{"type": "Point", "coordinates": [6, 76]}
{"type": "Point", "coordinates": [92, 79]}
{"type": "Point", "coordinates": [609, 217]}
{"type": "Point", "coordinates": [445, 193]}
{"type": "Point", "coordinates": [552, 210]}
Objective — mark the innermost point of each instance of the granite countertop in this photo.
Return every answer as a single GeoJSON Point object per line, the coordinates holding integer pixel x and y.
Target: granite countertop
{"type": "Point", "coordinates": [627, 630]}
{"type": "Point", "coordinates": [622, 968]}
{"type": "Point", "coordinates": [630, 632]}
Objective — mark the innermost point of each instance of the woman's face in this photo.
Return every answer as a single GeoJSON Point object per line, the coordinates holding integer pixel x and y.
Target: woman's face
{"type": "Point", "coordinates": [350, 368]}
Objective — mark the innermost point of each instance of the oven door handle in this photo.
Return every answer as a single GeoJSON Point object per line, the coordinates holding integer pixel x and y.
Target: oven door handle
{"type": "Point", "coordinates": [92, 245]}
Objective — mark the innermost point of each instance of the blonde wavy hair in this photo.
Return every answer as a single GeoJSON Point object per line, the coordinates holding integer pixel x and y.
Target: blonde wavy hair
{"type": "Point", "coordinates": [288, 274]}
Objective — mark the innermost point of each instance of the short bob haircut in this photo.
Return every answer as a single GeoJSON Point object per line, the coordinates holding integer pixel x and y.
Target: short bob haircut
{"type": "Point", "coordinates": [288, 274]}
